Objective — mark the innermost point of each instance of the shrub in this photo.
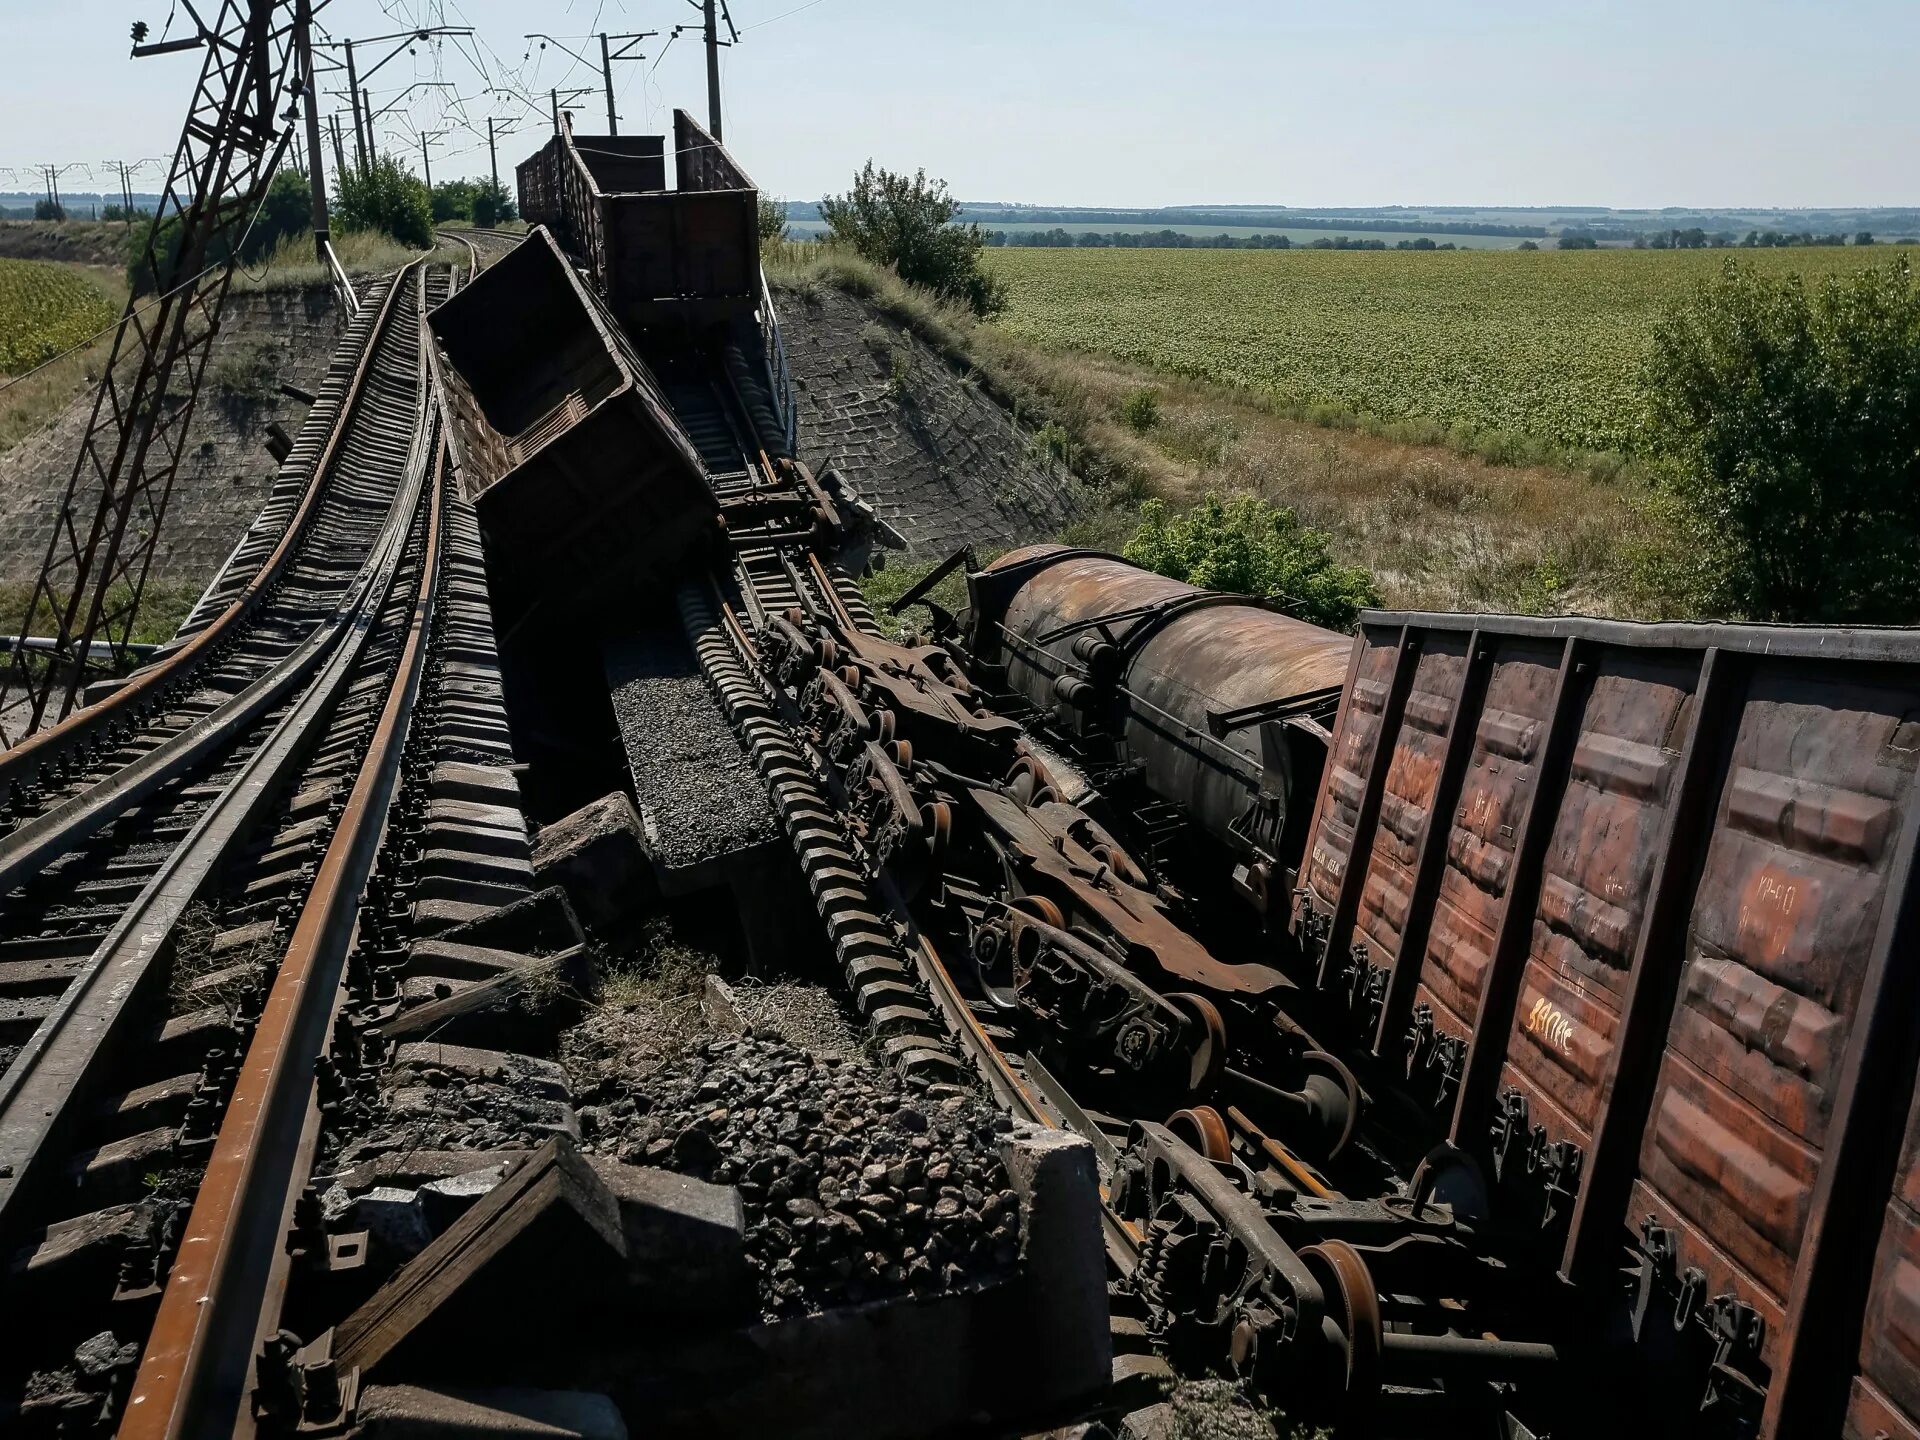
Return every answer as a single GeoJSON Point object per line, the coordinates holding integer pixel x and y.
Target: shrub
{"type": "Point", "coordinates": [49, 210]}
{"type": "Point", "coordinates": [492, 205]}
{"type": "Point", "coordinates": [1578, 242]}
{"type": "Point", "coordinates": [1250, 547]}
{"type": "Point", "coordinates": [1793, 419]}
{"type": "Point", "coordinates": [453, 199]}
{"type": "Point", "coordinates": [387, 198]}
{"type": "Point", "coordinates": [1141, 410]}
{"type": "Point", "coordinates": [287, 210]}
{"type": "Point", "coordinates": [773, 219]}
{"type": "Point", "coordinates": [907, 223]}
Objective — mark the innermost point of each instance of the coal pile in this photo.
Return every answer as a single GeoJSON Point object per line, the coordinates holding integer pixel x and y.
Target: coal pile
{"type": "Point", "coordinates": [857, 1187]}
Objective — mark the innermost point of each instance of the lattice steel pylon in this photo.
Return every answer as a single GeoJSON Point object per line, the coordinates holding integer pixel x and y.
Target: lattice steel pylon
{"type": "Point", "coordinates": [104, 536]}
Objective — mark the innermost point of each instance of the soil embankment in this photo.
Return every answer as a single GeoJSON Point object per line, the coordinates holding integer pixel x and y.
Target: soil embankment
{"type": "Point", "coordinates": [268, 338]}
{"type": "Point", "coordinates": [940, 461]}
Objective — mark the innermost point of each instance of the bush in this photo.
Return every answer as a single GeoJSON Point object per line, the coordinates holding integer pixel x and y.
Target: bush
{"type": "Point", "coordinates": [773, 219]}
{"type": "Point", "coordinates": [492, 205]}
{"type": "Point", "coordinates": [1793, 417]}
{"type": "Point", "coordinates": [387, 198]}
{"type": "Point", "coordinates": [1578, 242]}
{"type": "Point", "coordinates": [287, 210]}
{"type": "Point", "coordinates": [1141, 410]}
{"type": "Point", "coordinates": [906, 223]}
{"type": "Point", "coordinates": [1249, 547]}
{"type": "Point", "coordinates": [453, 199]}
{"type": "Point", "coordinates": [49, 210]}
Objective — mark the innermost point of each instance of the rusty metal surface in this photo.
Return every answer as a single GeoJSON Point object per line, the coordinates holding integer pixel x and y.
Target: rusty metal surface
{"type": "Point", "coordinates": [1884, 1399]}
{"type": "Point", "coordinates": [1160, 660]}
{"type": "Point", "coordinates": [1049, 855]}
{"type": "Point", "coordinates": [579, 473]}
{"type": "Point", "coordinates": [1706, 1052]}
{"type": "Point", "coordinates": [1591, 910]}
{"type": "Point", "coordinates": [194, 1370]}
{"type": "Point", "coordinates": [1351, 763]}
{"type": "Point", "coordinates": [1407, 803]}
{"type": "Point", "coordinates": [693, 250]}
{"type": "Point", "coordinates": [1795, 879]}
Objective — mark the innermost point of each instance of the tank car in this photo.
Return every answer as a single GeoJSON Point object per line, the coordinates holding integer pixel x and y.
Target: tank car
{"type": "Point", "coordinates": [1217, 704]}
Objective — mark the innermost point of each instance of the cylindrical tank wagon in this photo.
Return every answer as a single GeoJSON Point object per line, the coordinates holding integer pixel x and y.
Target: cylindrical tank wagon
{"type": "Point", "coordinates": [1223, 704]}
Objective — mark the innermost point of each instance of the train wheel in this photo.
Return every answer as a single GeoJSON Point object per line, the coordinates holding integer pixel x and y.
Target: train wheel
{"type": "Point", "coordinates": [1203, 1129]}
{"type": "Point", "coordinates": [1021, 782]}
{"type": "Point", "coordinates": [1210, 1048]}
{"type": "Point", "coordinates": [1318, 1062]}
{"type": "Point", "coordinates": [937, 818]}
{"type": "Point", "coordinates": [1040, 908]}
{"type": "Point", "coordinates": [1354, 1304]}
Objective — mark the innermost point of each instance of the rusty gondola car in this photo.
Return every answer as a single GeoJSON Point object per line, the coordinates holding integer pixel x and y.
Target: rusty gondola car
{"type": "Point", "coordinates": [1635, 905]}
{"type": "Point", "coordinates": [1625, 911]}
{"type": "Point", "coordinates": [690, 254]}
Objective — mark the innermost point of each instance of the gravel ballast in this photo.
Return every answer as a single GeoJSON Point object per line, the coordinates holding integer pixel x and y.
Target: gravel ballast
{"type": "Point", "coordinates": [699, 798]}
{"type": "Point", "coordinates": [856, 1186]}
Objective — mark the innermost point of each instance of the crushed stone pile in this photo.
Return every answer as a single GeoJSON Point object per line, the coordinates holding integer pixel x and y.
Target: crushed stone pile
{"type": "Point", "coordinates": [857, 1187]}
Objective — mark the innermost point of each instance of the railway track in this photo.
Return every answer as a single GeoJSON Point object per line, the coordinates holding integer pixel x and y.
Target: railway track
{"type": "Point", "coordinates": [183, 870]}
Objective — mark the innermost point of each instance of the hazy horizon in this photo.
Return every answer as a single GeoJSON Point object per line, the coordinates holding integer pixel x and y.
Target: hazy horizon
{"type": "Point", "coordinates": [1762, 105]}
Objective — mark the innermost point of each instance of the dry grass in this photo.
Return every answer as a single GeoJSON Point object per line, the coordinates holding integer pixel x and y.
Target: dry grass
{"type": "Point", "coordinates": [1440, 529]}
{"type": "Point", "coordinates": [649, 1012]}
{"type": "Point", "coordinates": [293, 266]}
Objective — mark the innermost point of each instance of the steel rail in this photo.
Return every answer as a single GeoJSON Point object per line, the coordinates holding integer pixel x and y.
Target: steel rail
{"type": "Point", "coordinates": [221, 1295]}
{"type": "Point", "coordinates": [53, 1070]}
{"type": "Point", "coordinates": [57, 740]}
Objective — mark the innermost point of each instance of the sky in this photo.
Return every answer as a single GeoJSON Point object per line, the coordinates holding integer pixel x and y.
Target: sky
{"type": "Point", "coordinates": [1629, 103]}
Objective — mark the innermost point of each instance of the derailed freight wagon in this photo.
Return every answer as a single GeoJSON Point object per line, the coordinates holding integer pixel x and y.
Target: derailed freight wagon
{"type": "Point", "coordinates": [687, 255]}
{"type": "Point", "coordinates": [584, 481]}
{"type": "Point", "coordinates": [1633, 908]}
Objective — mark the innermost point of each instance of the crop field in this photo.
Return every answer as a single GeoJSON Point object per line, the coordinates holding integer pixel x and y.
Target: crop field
{"type": "Point", "coordinates": [1543, 344]}
{"type": "Point", "coordinates": [46, 307]}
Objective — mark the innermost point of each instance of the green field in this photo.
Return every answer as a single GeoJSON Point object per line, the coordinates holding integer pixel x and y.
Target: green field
{"type": "Point", "coordinates": [45, 307]}
{"type": "Point", "coordinates": [1545, 344]}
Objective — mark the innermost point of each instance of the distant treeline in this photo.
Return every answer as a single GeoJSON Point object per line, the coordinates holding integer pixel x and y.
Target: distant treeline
{"type": "Point", "coordinates": [987, 216]}
{"type": "Point", "coordinates": [1059, 239]}
{"type": "Point", "coordinates": [1695, 238]}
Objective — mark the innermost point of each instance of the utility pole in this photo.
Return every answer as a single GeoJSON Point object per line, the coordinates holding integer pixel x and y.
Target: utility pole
{"type": "Point", "coordinates": [339, 153]}
{"type": "Point", "coordinates": [310, 99]}
{"type": "Point", "coordinates": [126, 190]}
{"type": "Point", "coordinates": [372, 151]}
{"type": "Point", "coordinates": [553, 97]}
{"type": "Point", "coordinates": [353, 92]}
{"type": "Point", "coordinates": [713, 69]}
{"type": "Point", "coordinates": [493, 156]}
{"type": "Point", "coordinates": [406, 40]}
{"type": "Point", "coordinates": [426, 164]}
{"type": "Point", "coordinates": [606, 74]}
{"type": "Point", "coordinates": [612, 48]}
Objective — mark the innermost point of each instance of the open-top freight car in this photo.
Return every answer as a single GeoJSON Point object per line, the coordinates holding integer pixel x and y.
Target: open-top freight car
{"type": "Point", "coordinates": [1616, 924]}
{"type": "Point", "coordinates": [1633, 908]}
{"type": "Point", "coordinates": [688, 255]}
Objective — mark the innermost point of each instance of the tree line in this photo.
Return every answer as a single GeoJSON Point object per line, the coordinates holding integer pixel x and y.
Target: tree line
{"type": "Point", "coordinates": [1060, 239]}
